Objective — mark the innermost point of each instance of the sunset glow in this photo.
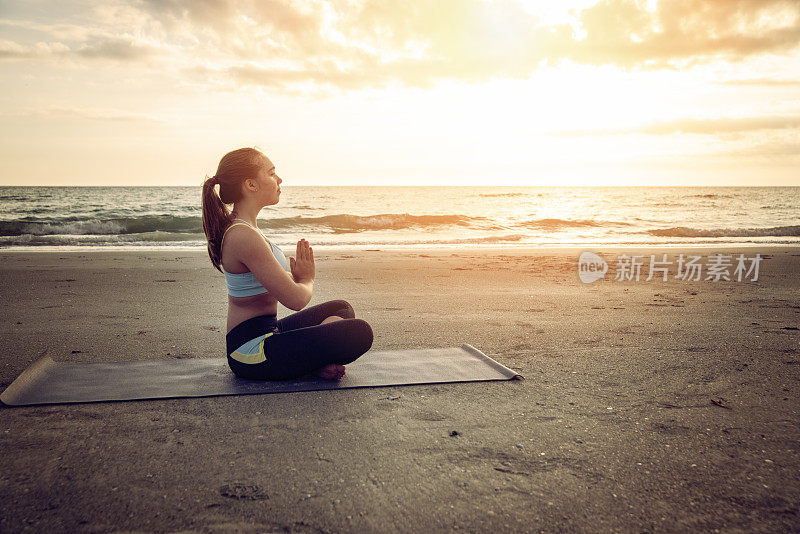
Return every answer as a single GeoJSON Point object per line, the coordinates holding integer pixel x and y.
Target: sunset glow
{"type": "Point", "coordinates": [474, 92]}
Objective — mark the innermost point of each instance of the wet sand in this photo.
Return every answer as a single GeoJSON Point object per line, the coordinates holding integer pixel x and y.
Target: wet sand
{"type": "Point", "coordinates": [646, 406]}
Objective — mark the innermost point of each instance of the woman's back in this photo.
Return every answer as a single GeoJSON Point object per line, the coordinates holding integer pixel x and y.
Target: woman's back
{"type": "Point", "coordinates": [247, 298]}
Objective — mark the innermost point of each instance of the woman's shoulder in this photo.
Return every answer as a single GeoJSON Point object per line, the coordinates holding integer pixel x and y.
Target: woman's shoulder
{"type": "Point", "coordinates": [241, 235]}
{"type": "Point", "coordinates": [232, 231]}
{"type": "Point", "coordinates": [241, 229]}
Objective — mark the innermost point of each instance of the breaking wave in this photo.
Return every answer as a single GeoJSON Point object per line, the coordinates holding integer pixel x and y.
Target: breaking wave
{"type": "Point", "coordinates": [341, 223]}
{"type": "Point", "coordinates": [775, 231]}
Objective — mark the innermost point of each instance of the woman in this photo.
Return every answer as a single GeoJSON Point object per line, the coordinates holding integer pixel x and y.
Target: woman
{"type": "Point", "coordinates": [320, 339]}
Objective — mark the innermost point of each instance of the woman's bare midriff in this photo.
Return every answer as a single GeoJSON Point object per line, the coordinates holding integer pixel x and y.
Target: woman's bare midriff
{"type": "Point", "coordinates": [243, 308]}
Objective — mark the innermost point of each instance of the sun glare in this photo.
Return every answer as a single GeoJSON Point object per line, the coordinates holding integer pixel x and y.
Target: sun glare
{"type": "Point", "coordinates": [503, 33]}
{"type": "Point", "coordinates": [562, 12]}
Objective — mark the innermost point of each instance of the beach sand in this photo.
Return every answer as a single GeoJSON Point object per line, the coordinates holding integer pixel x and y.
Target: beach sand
{"type": "Point", "coordinates": [646, 406]}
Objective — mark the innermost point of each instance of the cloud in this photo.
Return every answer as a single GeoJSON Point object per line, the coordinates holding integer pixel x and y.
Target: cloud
{"type": "Point", "coordinates": [363, 43]}
{"type": "Point", "coordinates": [115, 115]}
{"type": "Point", "coordinates": [251, 74]}
{"type": "Point", "coordinates": [13, 50]}
{"type": "Point", "coordinates": [120, 49]}
{"type": "Point", "coordinates": [245, 27]}
{"type": "Point", "coordinates": [722, 125]}
{"type": "Point", "coordinates": [771, 150]}
{"type": "Point", "coordinates": [76, 41]}
{"type": "Point", "coordinates": [761, 81]}
{"type": "Point", "coordinates": [417, 42]}
{"type": "Point", "coordinates": [716, 126]}
{"type": "Point", "coordinates": [59, 31]}
{"type": "Point", "coordinates": [622, 33]}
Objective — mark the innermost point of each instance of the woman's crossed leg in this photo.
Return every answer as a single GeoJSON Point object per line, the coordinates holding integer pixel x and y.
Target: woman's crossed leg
{"type": "Point", "coordinates": [321, 339]}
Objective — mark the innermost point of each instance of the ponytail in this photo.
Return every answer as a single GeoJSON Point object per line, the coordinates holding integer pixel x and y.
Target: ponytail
{"type": "Point", "coordinates": [216, 219]}
{"type": "Point", "coordinates": [234, 168]}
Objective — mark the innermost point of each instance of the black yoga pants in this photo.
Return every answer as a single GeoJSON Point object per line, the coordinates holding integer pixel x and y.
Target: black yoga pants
{"type": "Point", "coordinates": [298, 344]}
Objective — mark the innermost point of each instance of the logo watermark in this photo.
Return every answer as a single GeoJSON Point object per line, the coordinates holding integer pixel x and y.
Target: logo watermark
{"type": "Point", "coordinates": [591, 267]}
{"type": "Point", "coordinates": [716, 267]}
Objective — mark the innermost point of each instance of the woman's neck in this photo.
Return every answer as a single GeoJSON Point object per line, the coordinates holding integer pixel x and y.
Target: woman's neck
{"type": "Point", "coordinates": [246, 213]}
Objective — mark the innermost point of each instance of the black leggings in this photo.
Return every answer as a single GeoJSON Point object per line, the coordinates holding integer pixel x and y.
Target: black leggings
{"type": "Point", "coordinates": [298, 344]}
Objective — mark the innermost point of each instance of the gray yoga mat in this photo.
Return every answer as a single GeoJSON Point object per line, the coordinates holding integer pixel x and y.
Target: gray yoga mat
{"type": "Point", "coordinates": [50, 382]}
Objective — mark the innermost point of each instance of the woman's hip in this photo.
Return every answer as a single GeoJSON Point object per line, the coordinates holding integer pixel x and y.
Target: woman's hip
{"type": "Point", "coordinates": [249, 330]}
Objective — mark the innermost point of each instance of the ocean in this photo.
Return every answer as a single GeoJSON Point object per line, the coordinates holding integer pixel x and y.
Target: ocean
{"type": "Point", "coordinates": [403, 216]}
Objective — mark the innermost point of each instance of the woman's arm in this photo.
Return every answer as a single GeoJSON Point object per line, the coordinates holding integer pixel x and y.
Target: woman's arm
{"type": "Point", "coordinates": [293, 291]}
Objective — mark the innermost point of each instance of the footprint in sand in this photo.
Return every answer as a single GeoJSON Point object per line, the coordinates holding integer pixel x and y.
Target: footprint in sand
{"type": "Point", "coordinates": [250, 492]}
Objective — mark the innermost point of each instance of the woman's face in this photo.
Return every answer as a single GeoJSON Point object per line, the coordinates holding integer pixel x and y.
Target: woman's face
{"type": "Point", "coordinates": [270, 184]}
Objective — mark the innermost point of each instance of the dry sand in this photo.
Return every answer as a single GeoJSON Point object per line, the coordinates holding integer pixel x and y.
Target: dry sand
{"type": "Point", "coordinates": [614, 429]}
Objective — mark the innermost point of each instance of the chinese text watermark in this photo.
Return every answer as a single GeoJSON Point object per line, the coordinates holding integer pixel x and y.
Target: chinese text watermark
{"type": "Point", "coordinates": [716, 267]}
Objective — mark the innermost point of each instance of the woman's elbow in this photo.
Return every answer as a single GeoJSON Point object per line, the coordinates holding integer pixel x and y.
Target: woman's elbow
{"type": "Point", "coordinates": [295, 307]}
{"type": "Point", "coordinates": [305, 302]}
{"type": "Point", "coordinates": [297, 304]}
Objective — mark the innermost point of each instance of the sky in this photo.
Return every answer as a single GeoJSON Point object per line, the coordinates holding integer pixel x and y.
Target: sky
{"type": "Point", "coordinates": [388, 92]}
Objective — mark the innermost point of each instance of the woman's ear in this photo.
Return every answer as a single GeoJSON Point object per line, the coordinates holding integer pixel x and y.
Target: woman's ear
{"type": "Point", "coordinates": [251, 184]}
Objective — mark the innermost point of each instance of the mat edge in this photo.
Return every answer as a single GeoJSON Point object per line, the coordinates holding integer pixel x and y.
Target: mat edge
{"type": "Point", "coordinates": [509, 373]}
{"type": "Point", "coordinates": [11, 395]}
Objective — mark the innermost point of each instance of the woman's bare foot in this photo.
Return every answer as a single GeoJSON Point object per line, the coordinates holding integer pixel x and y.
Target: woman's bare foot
{"type": "Point", "coordinates": [332, 371]}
